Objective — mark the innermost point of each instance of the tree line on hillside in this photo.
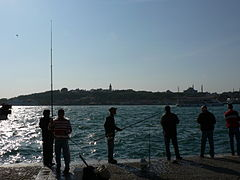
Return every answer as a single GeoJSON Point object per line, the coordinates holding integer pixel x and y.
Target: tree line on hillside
{"type": "Point", "coordinates": [116, 97]}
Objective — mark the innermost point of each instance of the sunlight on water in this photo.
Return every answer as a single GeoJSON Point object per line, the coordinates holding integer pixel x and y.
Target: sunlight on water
{"type": "Point", "coordinates": [20, 135]}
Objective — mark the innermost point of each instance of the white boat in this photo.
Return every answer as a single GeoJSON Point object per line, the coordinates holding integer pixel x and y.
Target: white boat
{"type": "Point", "coordinates": [198, 102]}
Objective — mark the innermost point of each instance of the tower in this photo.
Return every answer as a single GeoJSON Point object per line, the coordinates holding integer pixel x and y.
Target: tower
{"type": "Point", "coordinates": [110, 87]}
{"type": "Point", "coordinates": [202, 88]}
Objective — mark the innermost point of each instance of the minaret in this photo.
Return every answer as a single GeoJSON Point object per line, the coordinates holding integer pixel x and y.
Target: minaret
{"type": "Point", "coordinates": [110, 87]}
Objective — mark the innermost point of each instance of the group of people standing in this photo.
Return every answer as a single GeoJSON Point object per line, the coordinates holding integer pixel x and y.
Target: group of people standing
{"type": "Point", "coordinates": [60, 128]}
{"type": "Point", "coordinates": [207, 123]}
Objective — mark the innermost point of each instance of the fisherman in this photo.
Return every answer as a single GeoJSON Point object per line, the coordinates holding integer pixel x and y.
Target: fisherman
{"type": "Point", "coordinates": [232, 123]}
{"type": "Point", "coordinates": [169, 123]}
{"type": "Point", "coordinates": [110, 128]}
{"type": "Point", "coordinates": [207, 121]}
{"type": "Point", "coordinates": [47, 138]}
{"type": "Point", "coordinates": [62, 128]}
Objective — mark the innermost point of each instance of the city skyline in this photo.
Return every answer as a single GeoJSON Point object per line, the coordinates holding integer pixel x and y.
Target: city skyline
{"type": "Point", "coordinates": [151, 45]}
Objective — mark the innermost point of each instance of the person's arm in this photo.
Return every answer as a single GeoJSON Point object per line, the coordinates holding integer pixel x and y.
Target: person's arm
{"type": "Point", "coordinates": [70, 128]}
{"type": "Point", "coordinates": [41, 123]}
{"type": "Point", "coordinates": [214, 119]}
{"type": "Point", "coordinates": [177, 120]}
{"type": "Point", "coordinates": [117, 128]}
{"type": "Point", "coordinates": [199, 119]}
{"type": "Point", "coordinates": [107, 127]}
{"type": "Point", "coordinates": [238, 118]}
{"type": "Point", "coordinates": [51, 125]}
{"type": "Point", "coordinates": [162, 121]}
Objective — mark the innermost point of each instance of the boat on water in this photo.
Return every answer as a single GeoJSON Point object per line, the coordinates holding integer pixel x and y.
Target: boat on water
{"type": "Point", "coordinates": [5, 110]}
{"type": "Point", "coordinates": [198, 102]}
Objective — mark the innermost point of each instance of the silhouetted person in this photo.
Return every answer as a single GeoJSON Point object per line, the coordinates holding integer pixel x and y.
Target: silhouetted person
{"type": "Point", "coordinates": [169, 123]}
{"type": "Point", "coordinates": [47, 138]}
{"type": "Point", "coordinates": [207, 121]}
{"type": "Point", "coordinates": [232, 123]}
{"type": "Point", "coordinates": [110, 128]}
{"type": "Point", "coordinates": [62, 128]}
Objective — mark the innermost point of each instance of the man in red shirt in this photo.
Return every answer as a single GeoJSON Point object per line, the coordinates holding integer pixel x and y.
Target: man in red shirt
{"type": "Point", "coordinates": [232, 123]}
{"type": "Point", "coordinates": [62, 128]}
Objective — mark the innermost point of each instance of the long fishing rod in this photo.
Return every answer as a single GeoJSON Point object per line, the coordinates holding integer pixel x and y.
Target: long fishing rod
{"type": "Point", "coordinates": [51, 74]}
{"type": "Point", "coordinates": [154, 115]}
{"type": "Point", "coordinates": [79, 152]}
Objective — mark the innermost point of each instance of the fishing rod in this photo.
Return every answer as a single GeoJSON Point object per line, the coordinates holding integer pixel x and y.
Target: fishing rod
{"type": "Point", "coordinates": [51, 74]}
{"type": "Point", "coordinates": [84, 161]}
{"type": "Point", "coordinates": [150, 117]}
{"type": "Point", "coordinates": [154, 115]}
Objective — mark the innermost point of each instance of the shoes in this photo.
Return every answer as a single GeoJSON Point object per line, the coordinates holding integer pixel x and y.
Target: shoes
{"type": "Point", "coordinates": [51, 164]}
{"type": "Point", "coordinates": [66, 172]}
{"type": "Point", "coordinates": [58, 170]}
{"type": "Point", "coordinates": [112, 161]}
{"type": "Point", "coordinates": [179, 158]}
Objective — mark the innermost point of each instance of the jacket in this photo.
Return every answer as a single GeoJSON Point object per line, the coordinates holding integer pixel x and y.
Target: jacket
{"type": "Point", "coordinates": [207, 121]}
{"type": "Point", "coordinates": [169, 123]}
{"type": "Point", "coordinates": [110, 126]}
{"type": "Point", "coordinates": [46, 133]}
{"type": "Point", "coordinates": [232, 118]}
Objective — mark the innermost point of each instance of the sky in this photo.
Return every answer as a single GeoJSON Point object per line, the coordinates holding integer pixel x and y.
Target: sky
{"type": "Point", "coordinates": [152, 45]}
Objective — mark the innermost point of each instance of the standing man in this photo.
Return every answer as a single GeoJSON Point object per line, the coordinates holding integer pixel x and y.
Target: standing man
{"type": "Point", "coordinates": [47, 138]}
{"type": "Point", "coordinates": [207, 121]}
{"type": "Point", "coordinates": [62, 128]}
{"type": "Point", "coordinates": [169, 123]}
{"type": "Point", "coordinates": [232, 123]}
{"type": "Point", "coordinates": [110, 128]}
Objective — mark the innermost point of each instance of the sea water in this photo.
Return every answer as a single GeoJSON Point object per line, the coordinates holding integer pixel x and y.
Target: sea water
{"type": "Point", "coordinates": [20, 135]}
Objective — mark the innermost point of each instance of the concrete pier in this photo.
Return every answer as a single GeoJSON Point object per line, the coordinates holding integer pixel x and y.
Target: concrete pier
{"type": "Point", "coordinates": [192, 167]}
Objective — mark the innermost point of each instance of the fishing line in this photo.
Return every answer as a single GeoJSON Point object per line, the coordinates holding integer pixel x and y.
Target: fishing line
{"type": "Point", "coordinates": [154, 115]}
{"type": "Point", "coordinates": [79, 152]}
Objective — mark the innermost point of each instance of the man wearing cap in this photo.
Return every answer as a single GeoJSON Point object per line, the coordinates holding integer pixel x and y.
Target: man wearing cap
{"type": "Point", "coordinates": [232, 123]}
{"type": "Point", "coordinates": [207, 121]}
{"type": "Point", "coordinates": [110, 128]}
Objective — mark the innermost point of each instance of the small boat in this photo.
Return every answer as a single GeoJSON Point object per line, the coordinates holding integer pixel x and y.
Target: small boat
{"type": "Point", "coordinates": [198, 102]}
{"type": "Point", "coordinates": [5, 110]}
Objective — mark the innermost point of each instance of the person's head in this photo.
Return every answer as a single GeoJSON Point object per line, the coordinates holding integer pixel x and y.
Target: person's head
{"type": "Point", "coordinates": [230, 106]}
{"type": "Point", "coordinates": [167, 109]}
{"type": "Point", "coordinates": [46, 113]}
{"type": "Point", "coordinates": [204, 108]}
{"type": "Point", "coordinates": [113, 110]}
{"type": "Point", "coordinates": [61, 113]}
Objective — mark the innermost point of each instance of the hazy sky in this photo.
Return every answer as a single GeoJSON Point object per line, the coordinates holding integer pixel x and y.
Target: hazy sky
{"type": "Point", "coordinates": [151, 45]}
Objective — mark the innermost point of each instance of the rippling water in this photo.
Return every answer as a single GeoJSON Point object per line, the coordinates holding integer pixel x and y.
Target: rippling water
{"type": "Point", "coordinates": [20, 136]}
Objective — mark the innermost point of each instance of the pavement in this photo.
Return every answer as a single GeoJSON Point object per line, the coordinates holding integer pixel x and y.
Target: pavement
{"type": "Point", "coordinates": [191, 167]}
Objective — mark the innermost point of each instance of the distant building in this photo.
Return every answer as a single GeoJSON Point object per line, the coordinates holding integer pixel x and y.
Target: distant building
{"type": "Point", "coordinates": [64, 90]}
{"type": "Point", "coordinates": [110, 87]}
{"type": "Point", "coordinates": [190, 90]}
{"type": "Point", "coordinates": [201, 88]}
